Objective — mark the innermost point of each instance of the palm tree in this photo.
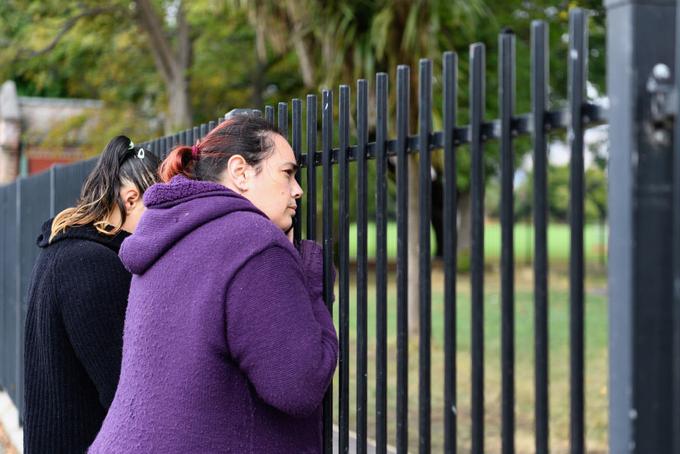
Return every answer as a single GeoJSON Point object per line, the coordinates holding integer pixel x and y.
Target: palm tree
{"type": "Point", "coordinates": [341, 40]}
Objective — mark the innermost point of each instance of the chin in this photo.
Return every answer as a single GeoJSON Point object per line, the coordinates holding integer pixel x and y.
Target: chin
{"type": "Point", "coordinates": [286, 225]}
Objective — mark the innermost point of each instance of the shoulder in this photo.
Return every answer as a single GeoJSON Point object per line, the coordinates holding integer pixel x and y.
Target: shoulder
{"type": "Point", "coordinates": [254, 224]}
{"type": "Point", "coordinates": [87, 265]}
{"type": "Point", "coordinates": [78, 251]}
{"type": "Point", "coordinates": [252, 230]}
{"type": "Point", "coordinates": [259, 242]}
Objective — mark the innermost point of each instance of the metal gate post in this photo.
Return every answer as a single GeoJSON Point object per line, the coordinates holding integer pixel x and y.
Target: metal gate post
{"type": "Point", "coordinates": [640, 36]}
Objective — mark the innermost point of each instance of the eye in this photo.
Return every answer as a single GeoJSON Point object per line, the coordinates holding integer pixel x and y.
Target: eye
{"type": "Point", "coordinates": [289, 172]}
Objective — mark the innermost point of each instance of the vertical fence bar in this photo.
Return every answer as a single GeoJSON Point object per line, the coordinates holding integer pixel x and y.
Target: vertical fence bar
{"type": "Point", "coordinates": [450, 76]}
{"type": "Point", "coordinates": [539, 90]}
{"type": "Point", "coordinates": [53, 202]}
{"type": "Point", "coordinates": [4, 342]}
{"type": "Point", "coordinates": [211, 125]}
{"type": "Point", "coordinates": [477, 64]}
{"type": "Point", "coordinates": [506, 99]}
{"type": "Point", "coordinates": [10, 260]}
{"type": "Point", "coordinates": [283, 119]}
{"type": "Point", "coordinates": [403, 75]}
{"type": "Point", "coordinates": [381, 263]}
{"type": "Point", "coordinates": [204, 130]}
{"type": "Point", "coordinates": [196, 135]}
{"type": "Point", "coordinates": [269, 114]}
{"type": "Point", "coordinates": [327, 150]}
{"type": "Point", "coordinates": [424, 259]}
{"type": "Point", "coordinates": [577, 74]}
{"type": "Point", "coordinates": [297, 149]}
{"type": "Point", "coordinates": [362, 257]}
{"type": "Point", "coordinates": [676, 258]}
{"type": "Point", "coordinates": [311, 167]}
{"type": "Point", "coordinates": [343, 252]}
{"type": "Point", "coordinates": [18, 314]}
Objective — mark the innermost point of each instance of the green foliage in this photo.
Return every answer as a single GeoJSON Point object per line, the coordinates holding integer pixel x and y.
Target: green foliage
{"type": "Point", "coordinates": [106, 56]}
{"type": "Point", "coordinates": [595, 206]}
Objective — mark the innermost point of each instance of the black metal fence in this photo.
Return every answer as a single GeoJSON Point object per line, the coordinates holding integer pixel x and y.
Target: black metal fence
{"type": "Point", "coordinates": [26, 203]}
{"type": "Point", "coordinates": [24, 206]}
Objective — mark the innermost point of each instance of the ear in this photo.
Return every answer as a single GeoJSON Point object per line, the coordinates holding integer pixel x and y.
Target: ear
{"type": "Point", "coordinates": [236, 171]}
{"type": "Point", "coordinates": [131, 197]}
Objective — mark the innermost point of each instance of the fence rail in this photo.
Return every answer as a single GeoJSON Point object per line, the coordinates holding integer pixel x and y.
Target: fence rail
{"type": "Point", "coordinates": [29, 201]}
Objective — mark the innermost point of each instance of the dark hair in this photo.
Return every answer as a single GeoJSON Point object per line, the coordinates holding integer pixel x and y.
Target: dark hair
{"type": "Point", "coordinates": [120, 163]}
{"type": "Point", "coordinates": [246, 135]}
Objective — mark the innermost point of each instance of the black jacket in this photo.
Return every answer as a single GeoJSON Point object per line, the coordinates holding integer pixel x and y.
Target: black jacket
{"type": "Point", "coordinates": [74, 336]}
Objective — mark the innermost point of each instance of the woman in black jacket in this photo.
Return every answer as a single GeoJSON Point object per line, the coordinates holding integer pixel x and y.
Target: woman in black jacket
{"type": "Point", "coordinates": [76, 304]}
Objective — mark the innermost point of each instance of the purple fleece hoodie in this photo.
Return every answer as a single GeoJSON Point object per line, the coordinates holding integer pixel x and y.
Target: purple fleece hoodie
{"type": "Point", "coordinates": [228, 346]}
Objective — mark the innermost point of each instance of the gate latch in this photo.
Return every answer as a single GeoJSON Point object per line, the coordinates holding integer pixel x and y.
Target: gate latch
{"type": "Point", "coordinates": [663, 104]}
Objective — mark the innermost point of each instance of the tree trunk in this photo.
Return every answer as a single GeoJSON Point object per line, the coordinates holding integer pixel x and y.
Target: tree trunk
{"type": "Point", "coordinates": [172, 66]}
{"type": "Point", "coordinates": [464, 222]}
{"type": "Point", "coordinates": [258, 81]}
{"type": "Point", "coordinates": [413, 246]}
{"type": "Point", "coordinates": [179, 110]}
{"type": "Point", "coordinates": [301, 45]}
{"type": "Point", "coordinates": [438, 214]}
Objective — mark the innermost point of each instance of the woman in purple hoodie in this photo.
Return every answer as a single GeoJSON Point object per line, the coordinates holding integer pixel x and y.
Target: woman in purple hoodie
{"type": "Point", "coordinates": [228, 346]}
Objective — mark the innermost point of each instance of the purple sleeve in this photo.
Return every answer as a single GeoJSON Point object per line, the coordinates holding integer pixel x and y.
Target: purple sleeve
{"type": "Point", "coordinates": [278, 333]}
{"type": "Point", "coordinates": [312, 264]}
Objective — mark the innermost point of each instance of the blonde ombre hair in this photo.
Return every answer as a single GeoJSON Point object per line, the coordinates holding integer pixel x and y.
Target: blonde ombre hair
{"type": "Point", "coordinates": [120, 163]}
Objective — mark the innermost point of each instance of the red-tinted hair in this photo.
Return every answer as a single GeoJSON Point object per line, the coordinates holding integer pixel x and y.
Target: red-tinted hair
{"type": "Point", "coordinates": [245, 135]}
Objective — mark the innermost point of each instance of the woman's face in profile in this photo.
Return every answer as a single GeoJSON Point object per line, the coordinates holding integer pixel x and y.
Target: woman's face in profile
{"type": "Point", "coordinates": [273, 188]}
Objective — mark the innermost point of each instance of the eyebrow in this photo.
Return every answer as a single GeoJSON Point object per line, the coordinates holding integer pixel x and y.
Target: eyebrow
{"type": "Point", "coordinates": [293, 164]}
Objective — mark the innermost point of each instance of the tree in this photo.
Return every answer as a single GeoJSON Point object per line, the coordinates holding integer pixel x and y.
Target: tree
{"type": "Point", "coordinates": [354, 39]}
{"type": "Point", "coordinates": [207, 57]}
{"type": "Point", "coordinates": [164, 26]}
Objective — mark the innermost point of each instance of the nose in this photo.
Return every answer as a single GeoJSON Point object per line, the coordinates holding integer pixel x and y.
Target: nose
{"type": "Point", "coordinates": [296, 191]}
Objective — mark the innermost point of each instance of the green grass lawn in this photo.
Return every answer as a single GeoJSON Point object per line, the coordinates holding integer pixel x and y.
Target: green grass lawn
{"type": "Point", "coordinates": [558, 242]}
{"type": "Point", "coordinates": [596, 359]}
